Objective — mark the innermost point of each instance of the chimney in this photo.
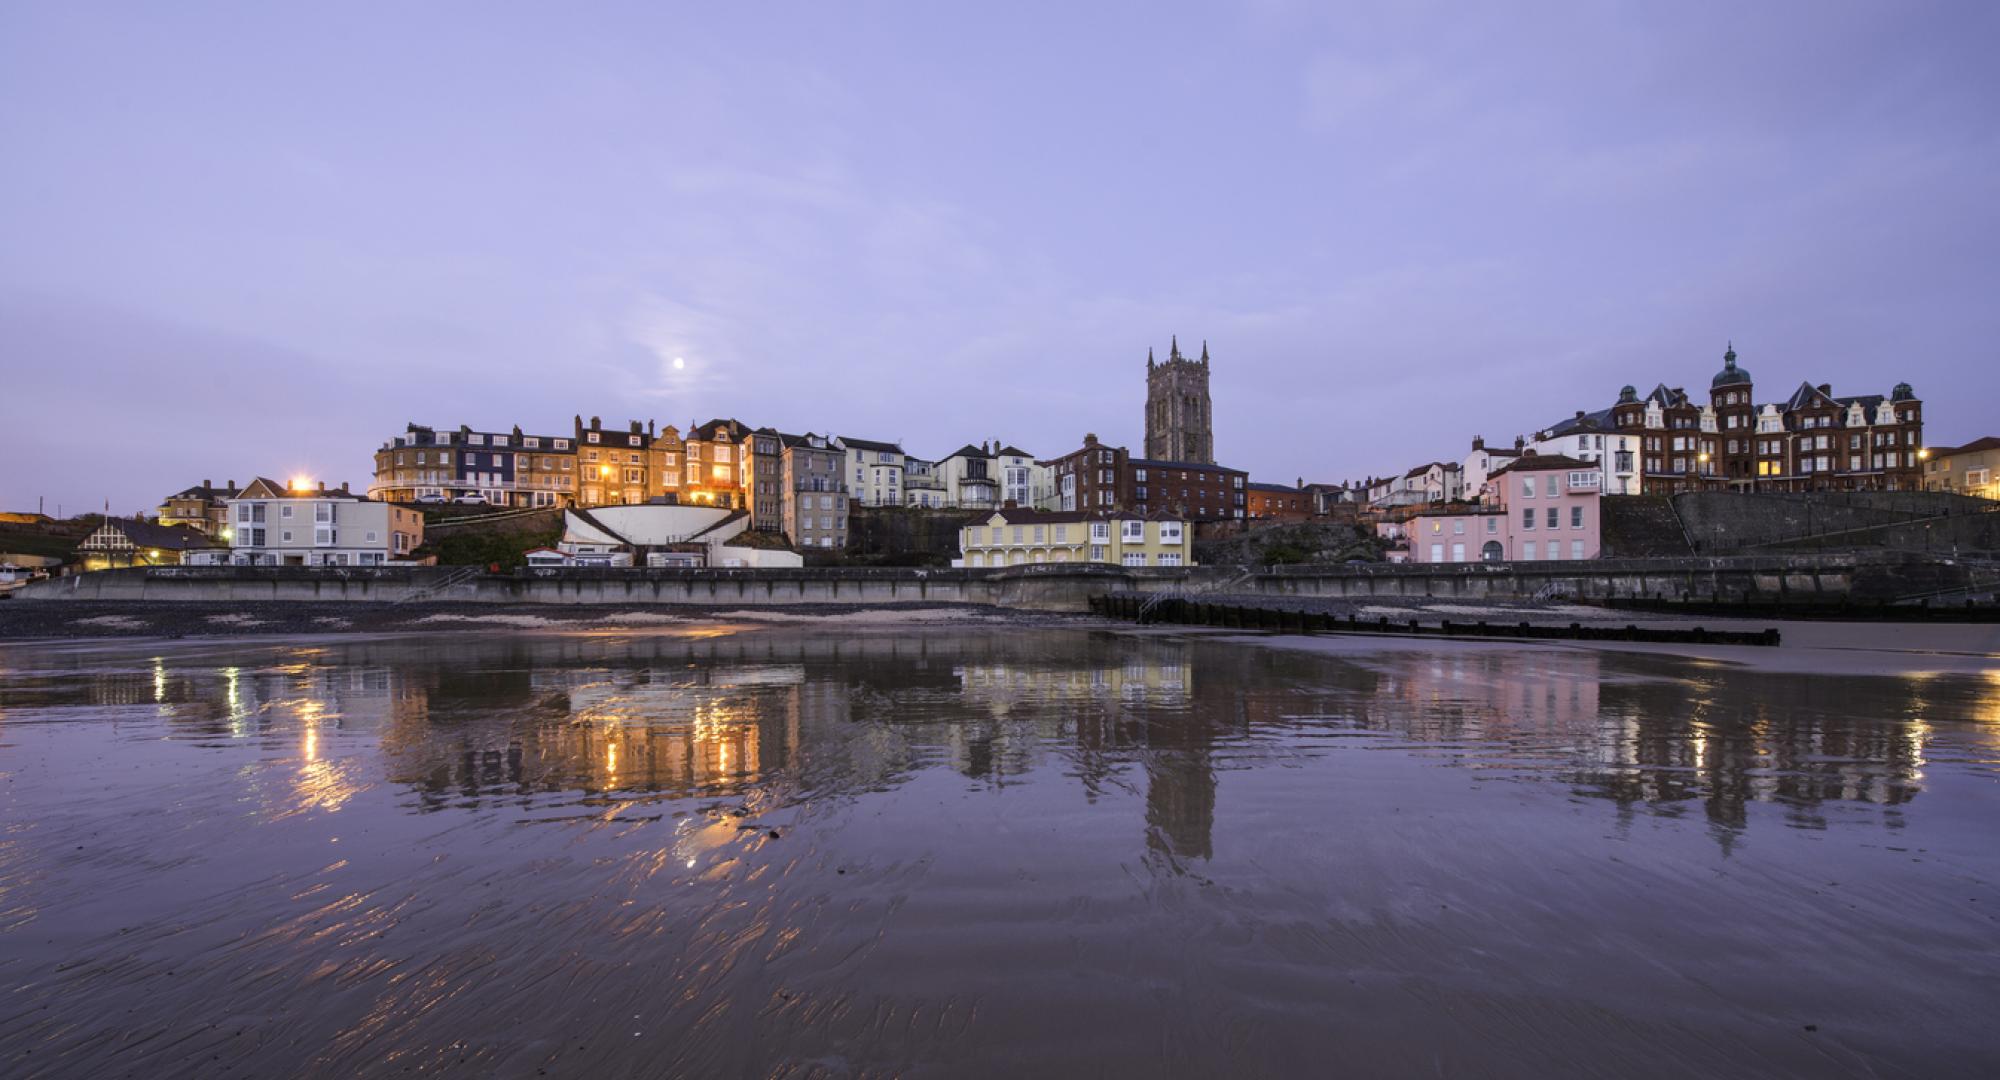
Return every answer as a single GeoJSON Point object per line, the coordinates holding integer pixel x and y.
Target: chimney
{"type": "Point", "coordinates": [517, 432]}
{"type": "Point", "coordinates": [343, 487]}
{"type": "Point", "coordinates": [208, 483]}
{"type": "Point", "coordinates": [1579, 414]}
{"type": "Point", "coordinates": [1090, 439]}
{"type": "Point", "coordinates": [322, 487]}
{"type": "Point", "coordinates": [649, 428]}
{"type": "Point", "coordinates": [232, 485]}
{"type": "Point", "coordinates": [1519, 442]}
{"type": "Point", "coordinates": [596, 424]}
{"type": "Point", "coordinates": [636, 429]}
{"type": "Point", "coordinates": [1479, 442]}
{"type": "Point", "coordinates": [1826, 388]}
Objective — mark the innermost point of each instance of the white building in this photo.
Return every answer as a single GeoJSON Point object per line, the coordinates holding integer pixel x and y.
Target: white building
{"type": "Point", "coordinates": [923, 483]}
{"type": "Point", "coordinates": [874, 471]}
{"type": "Point", "coordinates": [971, 477]}
{"type": "Point", "coordinates": [1482, 463]}
{"type": "Point", "coordinates": [271, 524]}
{"type": "Point", "coordinates": [1594, 437]}
{"type": "Point", "coordinates": [662, 535]}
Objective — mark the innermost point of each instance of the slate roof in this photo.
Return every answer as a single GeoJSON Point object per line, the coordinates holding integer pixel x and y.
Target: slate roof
{"type": "Point", "coordinates": [1590, 421]}
{"type": "Point", "coordinates": [869, 444]}
{"type": "Point", "coordinates": [1152, 463]}
{"type": "Point", "coordinates": [206, 491]}
{"type": "Point", "coordinates": [145, 534]}
{"type": "Point", "coordinates": [1021, 516]}
{"type": "Point", "coordinates": [1976, 446]}
{"type": "Point", "coordinates": [1546, 463]}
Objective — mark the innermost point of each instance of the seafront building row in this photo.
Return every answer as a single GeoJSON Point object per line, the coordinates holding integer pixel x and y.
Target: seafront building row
{"type": "Point", "coordinates": [804, 487]}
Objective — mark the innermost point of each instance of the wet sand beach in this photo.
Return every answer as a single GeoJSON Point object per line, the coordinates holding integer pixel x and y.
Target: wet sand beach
{"type": "Point", "coordinates": [765, 849]}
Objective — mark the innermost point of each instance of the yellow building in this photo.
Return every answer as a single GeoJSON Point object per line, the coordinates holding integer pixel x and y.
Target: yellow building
{"type": "Point", "coordinates": [1972, 469]}
{"type": "Point", "coordinates": [1015, 537]}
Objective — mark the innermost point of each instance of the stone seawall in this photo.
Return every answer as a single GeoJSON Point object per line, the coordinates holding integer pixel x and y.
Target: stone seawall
{"type": "Point", "coordinates": [1861, 577]}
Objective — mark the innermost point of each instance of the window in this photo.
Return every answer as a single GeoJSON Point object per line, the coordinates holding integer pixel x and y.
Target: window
{"type": "Point", "coordinates": [1550, 487]}
{"type": "Point", "coordinates": [1527, 487]}
{"type": "Point", "coordinates": [1576, 549]}
{"type": "Point", "coordinates": [1576, 517]}
{"type": "Point", "coordinates": [1492, 524]}
{"type": "Point", "coordinates": [1528, 550]}
{"type": "Point", "coordinates": [285, 511]}
{"type": "Point", "coordinates": [1170, 532]}
{"type": "Point", "coordinates": [1555, 517]}
{"type": "Point", "coordinates": [1458, 526]}
{"type": "Point", "coordinates": [1131, 531]}
{"type": "Point", "coordinates": [1140, 475]}
{"type": "Point", "coordinates": [1062, 534]}
{"type": "Point", "coordinates": [1527, 517]}
{"type": "Point", "coordinates": [1170, 558]}
{"type": "Point", "coordinates": [1100, 532]}
{"type": "Point", "coordinates": [285, 536]}
{"type": "Point", "coordinates": [1135, 558]}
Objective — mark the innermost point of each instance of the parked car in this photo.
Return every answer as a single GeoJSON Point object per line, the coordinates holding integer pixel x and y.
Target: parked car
{"type": "Point", "coordinates": [431, 499]}
{"type": "Point", "coordinates": [471, 500]}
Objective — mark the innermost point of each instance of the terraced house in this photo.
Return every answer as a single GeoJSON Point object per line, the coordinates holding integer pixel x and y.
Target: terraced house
{"type": "Point", "coordinates": [815, 489]}
{"type": "Point", "coordinates": [499, 468]}
{"type": "Point", "coordinates": [613, 467]}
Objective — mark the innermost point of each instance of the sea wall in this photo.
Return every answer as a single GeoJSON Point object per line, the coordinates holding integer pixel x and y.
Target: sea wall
{"type": "Point", "coordinates": [1859, 576]}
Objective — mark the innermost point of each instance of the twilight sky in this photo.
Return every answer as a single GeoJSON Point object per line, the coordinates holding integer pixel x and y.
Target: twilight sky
{"type": "Point", "coordinates": [259, 238]}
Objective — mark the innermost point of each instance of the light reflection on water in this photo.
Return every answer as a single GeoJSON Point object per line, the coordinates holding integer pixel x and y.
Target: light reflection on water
{"type": "Point", "coordinates": [839, 822]}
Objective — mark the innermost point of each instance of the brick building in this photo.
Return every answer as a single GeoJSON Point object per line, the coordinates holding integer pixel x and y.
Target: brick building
{"type": "Point", "coordinates": [1810, 441]}
{"type": "Point", "coordinates": [1100, 477]}
{"type": "Point", "coordinates": [1276, 502]}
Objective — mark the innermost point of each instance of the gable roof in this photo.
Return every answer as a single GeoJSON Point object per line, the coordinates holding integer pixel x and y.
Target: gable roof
{"type": "Point", "coordinates": [1590, 421]}
{"type": "Point", "coordinates": [869, 444]}
{"type": "Point", "coordinates": [966, 451]}
{"type": "Point", "coordinates": [146, 534]}
{"type": "Point", "coordinates": [1546, 463]}
{"type": "Point", "coordinates": [735, 429]}
{"type": "Point", "coordinates": [1010, 450]}
{"type": "Point", "coordinates": [1976, 446]}
{"type": "Point", "coordinates": [206, 491]}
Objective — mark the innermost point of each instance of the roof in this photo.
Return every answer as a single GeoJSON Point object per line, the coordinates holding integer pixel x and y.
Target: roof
{"type": "Point", "coordinates": [1806, 396]}
{"type": "Point", "coordinates": [1010, 450]}
{"type": "Point", "coordinates": [1590, 421]}
{"type": "Point", "coordinates": [869, 444]}
{"type": "Point", "coordinates": [1023, 516]}
{"type": "Point", "coordinates": [1286, 489]}
{"type": "Point", "coordinates": [1546, 463]}
{"type": "Point", "coordinates": [967, 451]}
{"type": "Point", "coordinates": [206, 491]}
{"type": "Point", "coordinates": [803, 441]}
{"type": "Point", "coordinates": [1976, 446]}
{"type": "Point", "coordinates": [736, 430]}
{"type": "Point", "coordinates": [145, 534]}
{"type": "Point", "coordinates": [1151, 463]}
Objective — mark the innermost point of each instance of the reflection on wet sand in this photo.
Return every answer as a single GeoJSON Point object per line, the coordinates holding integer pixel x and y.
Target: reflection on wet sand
{"type": "Point", "coordinates": [945, 855]}
{"type": "Point", "coordinates": [545, 720]}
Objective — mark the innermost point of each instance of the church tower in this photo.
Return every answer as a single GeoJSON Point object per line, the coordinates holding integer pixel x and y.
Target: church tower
{"type": "Point", "coordinates": [1178, 424]}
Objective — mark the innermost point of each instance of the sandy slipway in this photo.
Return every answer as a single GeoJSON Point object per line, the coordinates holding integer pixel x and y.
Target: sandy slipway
{"type": "Point", "coordinates": [21, 620]}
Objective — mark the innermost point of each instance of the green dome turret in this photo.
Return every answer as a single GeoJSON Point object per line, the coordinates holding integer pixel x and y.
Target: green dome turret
{"type": "Point", "coordinates": [1730, 375]}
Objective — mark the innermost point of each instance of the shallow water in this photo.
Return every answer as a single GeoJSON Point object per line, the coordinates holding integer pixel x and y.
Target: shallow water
{"type": "Point", "coordinates": [924, 853]}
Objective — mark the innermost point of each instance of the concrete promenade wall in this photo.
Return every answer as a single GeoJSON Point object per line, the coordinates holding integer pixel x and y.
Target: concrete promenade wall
{"type": "Point", "coordinates": [1861, 577]}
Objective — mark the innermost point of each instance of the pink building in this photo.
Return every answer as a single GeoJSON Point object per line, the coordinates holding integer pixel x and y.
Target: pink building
{"type": "Point", "coordinates": [1538, 507]}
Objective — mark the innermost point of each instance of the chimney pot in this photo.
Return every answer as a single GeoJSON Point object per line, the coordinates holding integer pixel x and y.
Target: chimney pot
{"type": "Point", "coordinates": [596, 423]}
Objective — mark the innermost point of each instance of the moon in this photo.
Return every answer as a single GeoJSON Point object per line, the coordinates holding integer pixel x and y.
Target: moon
{"type": "Point", "coordinates": [679, 363]}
